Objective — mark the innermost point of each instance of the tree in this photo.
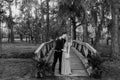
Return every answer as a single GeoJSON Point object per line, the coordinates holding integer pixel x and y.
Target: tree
{"type": "Point", "coordinates": [9, 19]}
{"type": "Point", "coordinates": [1, 12]}
{"type": "Point", "coordinates": [115, 30]}
{"type": "Point", "coordinates": [2, 15]}
{"type": "Point", "coordinates": [72, 9]}
{"type": "Point", "coordinates": [47, 28]}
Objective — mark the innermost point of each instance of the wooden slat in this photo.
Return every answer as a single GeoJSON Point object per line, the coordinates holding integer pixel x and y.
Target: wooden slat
{"type": "Point", "coordinates": [77, 64]}
{"type": "Point", "coordinates": [81, 57]}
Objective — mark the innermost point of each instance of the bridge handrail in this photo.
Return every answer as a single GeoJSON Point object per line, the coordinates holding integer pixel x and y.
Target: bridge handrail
{"type": "Point", "coordinates": [84, 56]}
{"type": "Point", "coordinates": [43, 50]}
{"type": "Point", "coordinates": [86, 45]}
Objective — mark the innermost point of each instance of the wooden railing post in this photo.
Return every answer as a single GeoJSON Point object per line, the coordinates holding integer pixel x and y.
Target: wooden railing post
{"type": "Point", "coordinates": [43, 53]}
{"type": "Point", "coordinates": [43, 50]}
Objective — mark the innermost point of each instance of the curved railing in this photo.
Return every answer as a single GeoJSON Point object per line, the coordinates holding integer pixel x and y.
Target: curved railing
{"type": "Point", "coordinates": [44, 51]}
{"type": "Point", "coordinates": [84, 52]}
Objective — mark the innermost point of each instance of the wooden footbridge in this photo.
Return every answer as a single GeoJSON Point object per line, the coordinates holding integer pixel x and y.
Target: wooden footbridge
{"type": "Point", "coordinates": [79, 57]}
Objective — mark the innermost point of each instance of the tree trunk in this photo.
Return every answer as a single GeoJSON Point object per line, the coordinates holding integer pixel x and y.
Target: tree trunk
{"type": "Point", "coordinates": [47, 28]}
{"type": "Point", "coordinates": [9, 36]}
{"type": "Point", "coordinates": [37, 29]}
{"type": "Point", "coordinates": [98, 35]}
{"type": "Point", "coordinates": [73, 28]}
{"type": "Point", "coordinates": [26, 39]}
{"type": "Point", "coordinates": [115, 36]}
{"type": "Point", "coordinates": [99, 28]}
{"type": "Point", "coordinates": [0, 39]}
{"type": "Point", "coordinates": [85, 33]}
{"type": "Point", "coordinates": [10, 24]}
{"type": "Point", "coordinates": [36, 39]}
{"type": "Point", "coordinates": [29, 39]}
{"type": "Point", "coordinates": [21, 37]}
{"type": "Point", "coordinates": [12, 34]}
{"type": "Point", "coordinates": [32, 38]}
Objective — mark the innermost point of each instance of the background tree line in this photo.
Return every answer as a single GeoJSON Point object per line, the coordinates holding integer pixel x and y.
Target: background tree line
{"type": "Point", "coordinates": [42, 20]}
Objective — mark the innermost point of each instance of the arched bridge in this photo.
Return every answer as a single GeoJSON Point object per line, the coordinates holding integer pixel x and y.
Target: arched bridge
{"type": "Point", "coordinates": [80, 52]}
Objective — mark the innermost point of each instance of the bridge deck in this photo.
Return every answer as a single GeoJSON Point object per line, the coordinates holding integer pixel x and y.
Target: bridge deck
{"type": "Point", "coordinates": [77, 67]}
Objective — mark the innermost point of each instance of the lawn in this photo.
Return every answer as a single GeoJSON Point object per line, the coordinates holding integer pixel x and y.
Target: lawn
{"type": "Point", "coordinates": [18, 50]}
{"type": "Point", "coordinates": [16, 68]}
{"type": "Point", "coordinates": [16, 61]}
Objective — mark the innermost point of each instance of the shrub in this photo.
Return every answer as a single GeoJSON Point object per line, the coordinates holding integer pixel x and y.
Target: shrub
{"type": "Point", "coordinates": [96, 62]}
{"type": "Point", "coordinates": [43, 68]}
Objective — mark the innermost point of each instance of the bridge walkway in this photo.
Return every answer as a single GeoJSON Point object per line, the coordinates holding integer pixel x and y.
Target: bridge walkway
{"type": "Point", "coordinates": [76, 65]}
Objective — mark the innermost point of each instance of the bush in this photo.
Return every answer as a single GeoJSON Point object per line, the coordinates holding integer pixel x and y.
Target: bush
{"type": "Point", "coordinates": [43, 68]}
{"type": "Point", "coordinates": [96, 62]}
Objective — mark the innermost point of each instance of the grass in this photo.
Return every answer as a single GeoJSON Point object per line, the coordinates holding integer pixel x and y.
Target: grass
{"type": "Point", "coordinates": [16, 62]}
{"type": "Point", "coordinates": [111, 69]}
{"type": "Point", "coordinates": [18, 50]}
{"type": "Point", "coordinates": [16, 67]}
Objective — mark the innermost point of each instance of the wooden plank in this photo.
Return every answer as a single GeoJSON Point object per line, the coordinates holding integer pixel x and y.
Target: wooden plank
{"type": "Point", "coordinates": [75, 62]}
{"type": "Point", "coordinates": [78, 73]}
{"type": "Point", "coordinates": [77, 66]}
{"type": "Point", "coordinates": [82, 59]}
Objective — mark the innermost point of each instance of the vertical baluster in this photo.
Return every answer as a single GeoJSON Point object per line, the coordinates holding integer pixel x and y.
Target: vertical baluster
{"type": "Point", "coordinates": [75, 45]}
{"type": "Point", "coordinates": [89, 57]}
{"type": "Point", "coordinates": [89, 52]}
{"type": "Point", "coordinates": [82, 51]}
{"type": "Point", "coordinates": [48, 47]}
{"type": "Point", "coordinates": [72, 44]}
{"type": "Point", "coordinates": [46, 53]}
{"type": "Point", "coordinates": [79, 47]}
{"type": "Point", "coordinates": [44, 50]}
{"type": "Point", "coordinates": [51, 45]}
{"type": "Point", "coordinates": [37, 56]}
{"type": "Point", "coordinates": [85, 51]}
{"type": "Point", "coordinates": [41, 53]}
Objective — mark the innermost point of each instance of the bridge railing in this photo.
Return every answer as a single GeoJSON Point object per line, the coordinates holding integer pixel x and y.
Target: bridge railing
{"type": "Point", "coordinates": [44, 50]}
{"type": "Point", "coordinates": [84, 51]}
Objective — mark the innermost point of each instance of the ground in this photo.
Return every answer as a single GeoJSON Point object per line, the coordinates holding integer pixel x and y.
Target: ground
{"type": "Point", "coordinates": [16, 63]}
{"type": "Point", "coordinates": [111, 68]}
{"type": "Point", "coordinates": [17, 49]}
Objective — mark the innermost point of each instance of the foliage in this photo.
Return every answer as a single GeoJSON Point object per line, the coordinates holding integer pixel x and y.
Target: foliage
{"type": "Point", "coordinates": [71, 8]}
{"type": "Point", "coordinates": [43, 68]}
{"type": "Point", "coordinates": [96, 62]}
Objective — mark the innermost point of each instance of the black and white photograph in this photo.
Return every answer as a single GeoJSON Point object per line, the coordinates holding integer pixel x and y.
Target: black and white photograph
{"type": "Point", "coordinates": [59, 39]}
